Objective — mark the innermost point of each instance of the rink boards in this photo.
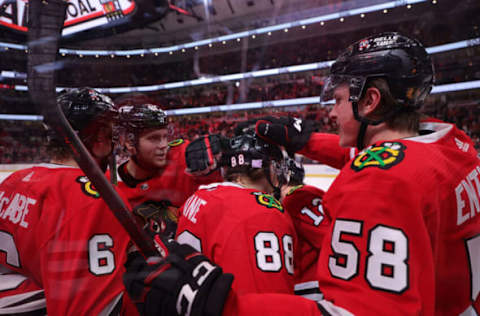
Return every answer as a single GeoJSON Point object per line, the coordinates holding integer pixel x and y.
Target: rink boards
{"type": "Point", "coordinates": [318, 175]}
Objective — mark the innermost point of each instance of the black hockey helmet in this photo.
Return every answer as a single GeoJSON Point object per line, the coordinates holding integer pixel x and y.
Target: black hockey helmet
{"type": "Point", "coordinates": [403, 62]}
{"type": "Point", "coordinates": [247, 151]}
{"type": "Point", "coordinates": [296, 172]}
{"type": "Point", "coordinates": [87, 111]}
{"type": "Point", "coordinates": [139, 117]}
{"type": "Point", "coordinates": [83, 106]}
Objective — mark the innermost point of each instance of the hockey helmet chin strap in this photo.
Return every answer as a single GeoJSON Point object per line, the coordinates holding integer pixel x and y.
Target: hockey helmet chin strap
{"type": "Point", "coordinates": [276, 188]}
{"type": "Point", "coordinates": [364, 122]}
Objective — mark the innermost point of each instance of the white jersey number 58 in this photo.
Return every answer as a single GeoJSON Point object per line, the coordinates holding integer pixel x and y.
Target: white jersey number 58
{"type": "Point", "coordinates": [386, 263]}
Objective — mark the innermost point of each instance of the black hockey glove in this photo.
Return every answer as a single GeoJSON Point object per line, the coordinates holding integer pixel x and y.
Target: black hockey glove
{"type": "Point", "coordinates": [203, 154]}
{"type": "Point", "coordinates": [290, 132]}
{"type": "Point", "coordinates": [184, 283]}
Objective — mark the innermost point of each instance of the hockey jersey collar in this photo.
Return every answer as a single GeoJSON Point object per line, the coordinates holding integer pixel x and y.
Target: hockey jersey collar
{"type": "Point", "coordinates": [437, 130]}
{"type": "Point", "coordinates": [218, 184]}
{"type": "Point", "coordinates": [55, 166]}
{"type": "Point", "coordinates": [124, 176]}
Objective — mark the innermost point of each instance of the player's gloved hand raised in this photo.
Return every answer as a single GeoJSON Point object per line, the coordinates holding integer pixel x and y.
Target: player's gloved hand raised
{"type": "Point", "coordinates": [184, 283]}
{"type": "Point", "coordinates": [290, 132]}
{"type": "Point", "coordinates": [203, 154]}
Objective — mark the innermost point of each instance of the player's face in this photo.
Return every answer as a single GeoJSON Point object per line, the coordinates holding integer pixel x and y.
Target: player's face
{"type": "Point", "coordinates": [274, 179]}
{"type": "Point", "coordinates": [102, 142]}
{"type": "Point", "coordinates": [153, 147]}
{"type": "Point", "coordinates": [342, 114]}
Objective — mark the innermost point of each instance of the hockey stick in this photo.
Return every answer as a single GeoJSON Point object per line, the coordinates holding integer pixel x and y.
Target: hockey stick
{"type": "Point", "coordinates": [46, 18]}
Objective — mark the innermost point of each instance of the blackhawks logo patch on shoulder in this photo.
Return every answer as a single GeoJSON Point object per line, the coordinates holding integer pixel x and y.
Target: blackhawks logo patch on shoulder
{"type": "Point", "coordinates": [383, 156]}
{"type": "Point", "coordinates": [268, 201]}
{"type": "Point", "coordinates": [87, 187]}
{"type": "Point", "coordinates": [176, 142]}
{"type": "Point", "coordinates": [295, 188]}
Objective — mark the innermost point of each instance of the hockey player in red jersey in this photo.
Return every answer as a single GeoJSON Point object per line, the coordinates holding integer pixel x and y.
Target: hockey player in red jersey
{"type": "Point", "coordinates": [412, 246]}
{"type": "Point", "coordinates": [54, 227]}
{"type": "Point", "coordinates": [156, 167]}
{"type": "Point", "coordinates": [304, 204]}
{"type": "Point", "coordinates": [238, 224]}
{"type": "Point", "coordinates": [155, 175]}
{"type": "Point", "coordinates": [405, 232]}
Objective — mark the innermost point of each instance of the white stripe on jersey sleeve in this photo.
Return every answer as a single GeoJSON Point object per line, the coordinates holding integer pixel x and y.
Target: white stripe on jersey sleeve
{"type": "Point", "coordinates": [30, 305]}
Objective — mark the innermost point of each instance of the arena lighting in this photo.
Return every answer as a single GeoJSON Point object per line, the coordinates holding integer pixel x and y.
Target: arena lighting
{"type": "Point", "coordinates": [13, 74]}
{"type": "Point", "coordinates": [256, 74]}
{"type": "Point", "coordinates": [245, 106]}
{"type": "Point", "coordinates": [453, 46]}
{"type": "Point", "coordinates": [451, 87]}
{"type": "Point", "coordinates": [304, 101]}
{"type": "Point", "coordinates": [264, 30]}
{"type": "Point", "coordinates": [16, 117]}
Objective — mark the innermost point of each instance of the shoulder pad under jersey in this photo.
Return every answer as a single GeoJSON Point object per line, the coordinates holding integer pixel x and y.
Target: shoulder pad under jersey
{"type": "Point", "coordinates": [295, 188]}
{"type": "Point", "coordinates": [176, 142]}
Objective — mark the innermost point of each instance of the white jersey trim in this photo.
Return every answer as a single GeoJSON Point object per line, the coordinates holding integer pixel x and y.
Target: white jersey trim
{"type": "Point", "coordinates": [111, 307]}
{"type": "Point", "coordinates": [332, 309]}
{"type": "Point", "coordinates": [22, 308]}
{"type": "Point", "coordinates": [353, 152]}
{"type": "Point", "coordinates": [470, 311]}
{"type": "Point", "coordinates": [54, 166]}
{"type": "Point", "coordinates": [439, 131]}
{"type": "Point", "coordinates": [306, 285]}
{"type": "Point", "coordinates": [218, 184]}
{"type": "Point", "coordinates": [309, 290]}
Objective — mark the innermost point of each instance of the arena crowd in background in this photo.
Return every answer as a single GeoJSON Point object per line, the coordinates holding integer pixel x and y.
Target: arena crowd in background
{"type": "Point", "coordinates": [24, 141]}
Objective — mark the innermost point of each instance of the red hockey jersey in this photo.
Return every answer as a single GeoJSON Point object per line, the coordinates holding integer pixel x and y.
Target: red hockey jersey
{"type": "Point", "coordinates": [172, 183]}
{"type": "Point", "coordinates": [405, 235]}
{"type": "Point", "coordinates": [245, 231]}
{"type": "Point", "coordinates": [56, 230]}
{"type": "Point", "coordinates": [325, 149]}
{"type": "Point", "coordinates": [304, 204]}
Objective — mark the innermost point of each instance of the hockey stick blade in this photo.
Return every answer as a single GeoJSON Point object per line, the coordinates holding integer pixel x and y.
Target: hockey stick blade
{"type": "Point", "coordinates": [46, 21]}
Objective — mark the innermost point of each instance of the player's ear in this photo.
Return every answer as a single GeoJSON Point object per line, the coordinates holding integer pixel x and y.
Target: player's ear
{"type": "Point", "coordinates": [370, 101]}
{"type": "Point", "coordinates": [130, 147]}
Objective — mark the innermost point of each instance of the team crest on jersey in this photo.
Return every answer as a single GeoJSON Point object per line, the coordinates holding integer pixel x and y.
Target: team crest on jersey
{"type": "Point", "coordinates": [267, 200]}
{"type": "Point", "coordinates": [176, 142]}
{"type": "Point", "coordinates": [383, 156]}
{"type": "Point", "coordinates": [87, 187]}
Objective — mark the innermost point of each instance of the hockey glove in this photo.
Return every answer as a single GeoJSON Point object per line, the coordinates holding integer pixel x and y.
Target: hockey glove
{"type": "Point", "coordinates": [290, 132]}
{"type": "Point", "coordinates": [203, 154]}
{"type": "Point", "coordinates": [184, 283]}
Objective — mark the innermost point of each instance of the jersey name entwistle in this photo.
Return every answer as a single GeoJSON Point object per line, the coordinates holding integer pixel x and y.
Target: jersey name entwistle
{"type": "Point", "coordinates": [467, 188]}
{"type": "Point", "coordinates": [15, 209]}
